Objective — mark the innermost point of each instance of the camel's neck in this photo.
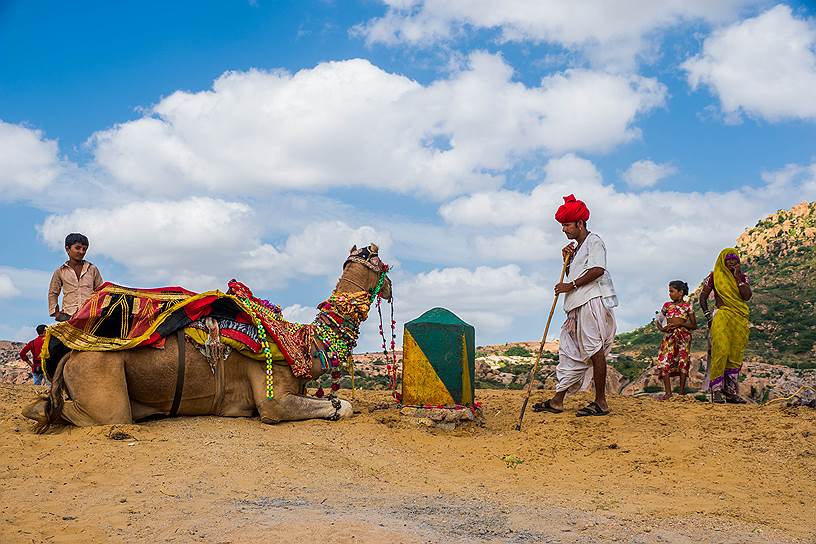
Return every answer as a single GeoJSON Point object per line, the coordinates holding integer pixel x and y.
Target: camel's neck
{"type": "Point", "coordinates": [350, 282]}
{"type": "Point", "coordinates": [356, 277]}
{"type": "Point", "coordinates": [337, 326]}
{"type": "Point", "coordinates": [345, 309]}
{"type": "Point", "coordinates": [348, 286]}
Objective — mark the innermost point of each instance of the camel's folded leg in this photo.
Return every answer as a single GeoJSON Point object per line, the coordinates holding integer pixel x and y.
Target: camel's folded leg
{"type": "Point", "coordinates": [290, 407]}
{"type": "Point", "coordinates": [97, 388]}
{"type": "Point", "coordinates": [37, 410]}
{"type": "Point", "coordinates": [287, 405]}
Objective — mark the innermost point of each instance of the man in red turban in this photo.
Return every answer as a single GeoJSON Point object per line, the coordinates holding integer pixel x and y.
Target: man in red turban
{"type": "Point", "coordinates": [589, 330]}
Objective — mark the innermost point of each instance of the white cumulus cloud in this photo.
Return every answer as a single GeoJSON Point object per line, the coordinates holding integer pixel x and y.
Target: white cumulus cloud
{"type": "Point", "coordinates": [298, 313]}
{"type": "Point", "coordinates": [7, 287]}
{"type": "Point", "coordinates": [203, 242]}
{"type": "Point", "coordinates": [492, 299]}
{"type": "Point", "coordinates": [646, 173]}
{"type": "Point", "coordinates": [160, 236]}
{"type": "Point", "coordinates": [350, 123]}
{"type": "Point", "coordinates": [610, 34]}
{"type": "Point", "coordinates": [30, 163]}
{"type": "Point", "coordinates": [764, 66]}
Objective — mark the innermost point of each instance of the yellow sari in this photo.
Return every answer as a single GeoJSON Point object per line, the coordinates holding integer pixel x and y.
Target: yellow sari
{"type": "Point", "coordinates": [729, 330]}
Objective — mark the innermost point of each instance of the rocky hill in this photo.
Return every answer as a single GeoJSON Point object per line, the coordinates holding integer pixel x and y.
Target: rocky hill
{"type": "Point", "coordinates": [12, 369]}
{"type": "Point", "coordinates": [781, 262]}
{"type": "Point", "coordinates": [779, 256]}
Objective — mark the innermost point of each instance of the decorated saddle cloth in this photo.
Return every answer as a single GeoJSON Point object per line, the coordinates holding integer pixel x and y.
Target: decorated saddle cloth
{"type": "Point", "coordinates": [118, 318]}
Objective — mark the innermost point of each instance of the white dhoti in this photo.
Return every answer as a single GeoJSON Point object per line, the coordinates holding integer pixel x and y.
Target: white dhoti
{"type": "Point", "coordinates": [588, 329]}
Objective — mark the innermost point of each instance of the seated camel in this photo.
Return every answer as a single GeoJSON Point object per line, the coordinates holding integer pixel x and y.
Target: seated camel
{"type": "Point", "coordinates": [120, 387]}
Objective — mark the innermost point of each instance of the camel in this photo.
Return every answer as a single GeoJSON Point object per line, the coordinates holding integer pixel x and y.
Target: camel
{"type": "Point", "coordinates": [123, 387]}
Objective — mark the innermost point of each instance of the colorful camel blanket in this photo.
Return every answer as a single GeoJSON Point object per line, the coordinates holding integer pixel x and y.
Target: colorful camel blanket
{"type": "Point", "coordinates": [118, 318]}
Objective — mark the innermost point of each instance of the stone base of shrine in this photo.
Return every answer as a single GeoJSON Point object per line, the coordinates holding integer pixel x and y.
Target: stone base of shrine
{"type": "Point", "coordinates": [442, 418]}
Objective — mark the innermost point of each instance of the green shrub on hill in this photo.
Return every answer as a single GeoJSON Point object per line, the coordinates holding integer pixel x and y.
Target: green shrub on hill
{"type": "Point", "coordinates": [630, 367]}
{"type": "Point", "coordinates": [518, 351]}
{"type": "Point", "coordinates": [516, 369]}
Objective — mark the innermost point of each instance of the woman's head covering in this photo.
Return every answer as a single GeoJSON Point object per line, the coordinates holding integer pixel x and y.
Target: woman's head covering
{"type": "Point", "coordinates": [726, 284]}
{"type": "Point", "coordinates": [572, 210]}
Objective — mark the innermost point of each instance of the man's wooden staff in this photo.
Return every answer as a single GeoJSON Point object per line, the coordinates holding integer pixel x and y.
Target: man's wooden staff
{"type": "Point", "coordinates": [533, 371]}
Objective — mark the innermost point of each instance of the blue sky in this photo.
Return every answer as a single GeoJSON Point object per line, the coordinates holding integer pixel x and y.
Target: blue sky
{"type": "Point", "coordinates": [199, 141]}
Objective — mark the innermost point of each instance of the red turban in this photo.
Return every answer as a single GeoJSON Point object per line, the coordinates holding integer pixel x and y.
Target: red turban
{"type": "Point", "coordinates": [572, 210]}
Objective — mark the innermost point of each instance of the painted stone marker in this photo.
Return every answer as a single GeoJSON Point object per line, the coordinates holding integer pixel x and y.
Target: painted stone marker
{"type": "Point", "coordinates": [439, 360]}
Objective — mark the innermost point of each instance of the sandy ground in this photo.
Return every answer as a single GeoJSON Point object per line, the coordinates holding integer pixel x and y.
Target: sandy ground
{"type": "Point", "coordinates": [677, 471]}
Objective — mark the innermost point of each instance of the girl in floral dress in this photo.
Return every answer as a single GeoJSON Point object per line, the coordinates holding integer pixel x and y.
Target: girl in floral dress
{"type": "Point", "coordinates": [673, 357]}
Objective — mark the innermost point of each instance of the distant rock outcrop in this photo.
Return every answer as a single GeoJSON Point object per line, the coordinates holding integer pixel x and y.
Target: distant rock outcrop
{"type": "Point", "coordinates": [12, 369]}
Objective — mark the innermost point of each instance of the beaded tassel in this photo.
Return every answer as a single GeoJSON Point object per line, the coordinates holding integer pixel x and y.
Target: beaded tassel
{"type": "Point", "coordinates": [270, 380]}
{"type": "Point", "coordinates": [269, 311]}
{"type": "Point", "coordinates": [391, 367]}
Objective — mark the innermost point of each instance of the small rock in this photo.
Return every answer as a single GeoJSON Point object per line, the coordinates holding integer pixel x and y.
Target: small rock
{"type": "Point", "coordinates": [118, 434]}
{"type": "Point", "coordinates": [69, 518]}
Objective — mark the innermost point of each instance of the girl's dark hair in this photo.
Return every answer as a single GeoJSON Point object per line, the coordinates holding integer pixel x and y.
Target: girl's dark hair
{"type": "Point", "coordinates": [680, 286]}
{"type": "Point", "coordinates": [40, 329]}
{"type": "Point", "coordinates": [76, 238]}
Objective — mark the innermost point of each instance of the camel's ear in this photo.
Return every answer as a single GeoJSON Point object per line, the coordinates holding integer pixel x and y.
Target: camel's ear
{"type": "Point", "coordinates": [373, 248]}
{"type": "Point", "coordinates": [353, 249]}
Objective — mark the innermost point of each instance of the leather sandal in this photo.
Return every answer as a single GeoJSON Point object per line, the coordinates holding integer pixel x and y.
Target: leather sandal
{"type": "Point", "coordinates": [592, 409]}
{"type": "Point", "coordinates": [546, 407]}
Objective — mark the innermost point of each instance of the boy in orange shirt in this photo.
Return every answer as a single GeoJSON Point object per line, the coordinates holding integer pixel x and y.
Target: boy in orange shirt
{"type": "Point", "coordinates": [76, 278]}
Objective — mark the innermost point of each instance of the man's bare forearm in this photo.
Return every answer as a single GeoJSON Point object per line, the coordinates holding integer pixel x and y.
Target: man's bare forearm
{"type": "Point", "coordinates": [589, 276]}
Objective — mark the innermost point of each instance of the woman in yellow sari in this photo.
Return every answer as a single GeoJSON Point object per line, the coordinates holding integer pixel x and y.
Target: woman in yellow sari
{"type": "Point", "coordinates": [728, 325]}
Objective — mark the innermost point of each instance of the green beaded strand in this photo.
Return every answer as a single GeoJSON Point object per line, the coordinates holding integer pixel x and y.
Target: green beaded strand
{"type": "Point", "coordinates": [270, 383]}
{"type": "Point", "coordinates": [270, 380]}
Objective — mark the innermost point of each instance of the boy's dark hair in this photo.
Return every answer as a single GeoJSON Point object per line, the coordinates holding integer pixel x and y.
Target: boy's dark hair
{"type": "Point", "coordinates": [40, 329]}
{"type": "Point", "coordinates": [680, 286]}
{"type": "Point", "coordinates": [76, 238]}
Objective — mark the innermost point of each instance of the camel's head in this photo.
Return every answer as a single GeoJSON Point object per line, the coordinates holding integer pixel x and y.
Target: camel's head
{"type": "Point", "coordinates": [362, 271]}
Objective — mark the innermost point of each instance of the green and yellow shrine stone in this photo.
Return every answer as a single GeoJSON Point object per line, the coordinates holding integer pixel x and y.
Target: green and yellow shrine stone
{"type": "Point", "coordinates": [439, 360]}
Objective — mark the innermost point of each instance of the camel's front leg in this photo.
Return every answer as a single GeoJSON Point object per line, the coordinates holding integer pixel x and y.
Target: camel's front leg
{"type": "Point", "coordinates": [288, 405]}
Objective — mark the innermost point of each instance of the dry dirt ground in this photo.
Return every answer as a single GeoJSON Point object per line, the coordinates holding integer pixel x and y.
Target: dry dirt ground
{"type": "Point", "coordinates": [677, 471]}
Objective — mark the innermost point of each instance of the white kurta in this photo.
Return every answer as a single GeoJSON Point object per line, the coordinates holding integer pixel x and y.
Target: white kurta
{"type": "Point", "coordinates": [590, 326]}
{"type": "Point", "coordinates": [590, 254]}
